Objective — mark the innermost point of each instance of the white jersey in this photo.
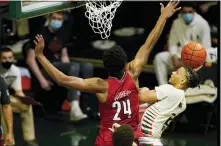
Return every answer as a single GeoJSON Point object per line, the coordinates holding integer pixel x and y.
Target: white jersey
{"type": "Point", "coordinates": [157, 116]}
{"type": "Point", "coordinates": [12, 77]}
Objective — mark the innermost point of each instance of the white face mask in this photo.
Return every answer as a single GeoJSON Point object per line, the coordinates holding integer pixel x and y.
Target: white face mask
{"type": "Point", "coordinates": [188, 17]}
{"type": "Point", "coordinates": [56, 24]}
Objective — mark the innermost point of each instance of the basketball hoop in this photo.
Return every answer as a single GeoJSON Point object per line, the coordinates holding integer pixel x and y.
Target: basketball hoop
{"type": "Point", "coordinates": [100, 15]}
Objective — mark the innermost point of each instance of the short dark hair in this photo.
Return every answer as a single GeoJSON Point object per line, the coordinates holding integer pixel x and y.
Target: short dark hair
{"type": "Point", "coordinates": [114, 59]}
{"type": "Point", "coordinates": [188, 4]}
{"type": "Point", "coordinates": [123, 136]}
{"type": "Point", "coordinates": [58, 12]}
{"type": "Point", "coordinates": [5, 49]}
{"type": "Point", "coordinates": [193, 78]}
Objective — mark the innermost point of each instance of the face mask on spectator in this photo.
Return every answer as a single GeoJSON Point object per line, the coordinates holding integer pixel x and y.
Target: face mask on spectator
{"type": "Point", "coordinates": [56, 24]}
{"type": "Point", "coordinates": [6, 64]}
{"type": "Point", "coordinates": [188, 17]}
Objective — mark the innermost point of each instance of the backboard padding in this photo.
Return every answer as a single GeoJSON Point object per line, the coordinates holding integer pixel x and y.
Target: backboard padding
{"type": "Point", "coordinates": [34, 8]}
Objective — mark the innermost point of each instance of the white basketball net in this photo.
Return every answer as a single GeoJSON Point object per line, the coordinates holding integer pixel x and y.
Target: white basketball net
{"type": "Point", "coordinates": [100, 15]}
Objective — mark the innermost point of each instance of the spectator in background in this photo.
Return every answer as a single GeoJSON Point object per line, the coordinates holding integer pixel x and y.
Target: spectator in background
{"type": "Point", "coordinates": [189, 26]}
{"type": "Point", "coordinates": [7, 114]}
{"type": "Point", "coordinates": [57, 34]}
{"type": "Point", "coordinates": [210, 11]}
{"type": "Point", "coordinates": [207, 5]}
{"type": "Point", "coordinates": [214, 36]}
{"type": "Point", "coordinates": [12, 76]}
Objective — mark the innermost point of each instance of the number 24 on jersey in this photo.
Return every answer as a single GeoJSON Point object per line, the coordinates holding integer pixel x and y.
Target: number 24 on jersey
{"type": "Point", "coordinates": [123, 105]}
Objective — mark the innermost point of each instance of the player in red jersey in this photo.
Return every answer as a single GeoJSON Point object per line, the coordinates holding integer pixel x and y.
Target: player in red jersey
{"type": "Point", "coordinates": [117, 95]}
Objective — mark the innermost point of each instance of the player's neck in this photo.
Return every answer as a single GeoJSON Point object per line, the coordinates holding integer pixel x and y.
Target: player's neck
{"type": "Point", "coordinates": [178, 86]}
{"type": "Point", "coordinates": [119, 75]}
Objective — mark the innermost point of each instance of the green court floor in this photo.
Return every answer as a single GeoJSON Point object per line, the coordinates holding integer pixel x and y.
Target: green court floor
{"type": "Point", "coordinates": [62, 133]}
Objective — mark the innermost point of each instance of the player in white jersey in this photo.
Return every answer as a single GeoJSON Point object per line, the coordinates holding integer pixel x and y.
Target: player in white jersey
{"type": "Point", "coordinates": [168, 101]}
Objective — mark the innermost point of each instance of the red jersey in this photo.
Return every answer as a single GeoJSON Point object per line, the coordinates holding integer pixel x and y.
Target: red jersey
{"type": "Point", "coordinates": [121, 106]}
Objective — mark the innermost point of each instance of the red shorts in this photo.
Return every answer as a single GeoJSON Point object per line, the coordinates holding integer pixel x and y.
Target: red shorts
{"type": "Point", "coordinates": [104, 138]}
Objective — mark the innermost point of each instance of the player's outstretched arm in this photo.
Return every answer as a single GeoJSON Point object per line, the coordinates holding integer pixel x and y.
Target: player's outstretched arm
{"type": "Point", "coordinates": [136, 66]}
{"type": "Point", "coordinates": [95, 85]}
{"type": "Point", "coordinates": [147, 96]}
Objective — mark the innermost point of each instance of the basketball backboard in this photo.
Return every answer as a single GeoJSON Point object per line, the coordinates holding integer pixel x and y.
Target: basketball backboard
{"type": "Point", "coordinates": [33, 8]}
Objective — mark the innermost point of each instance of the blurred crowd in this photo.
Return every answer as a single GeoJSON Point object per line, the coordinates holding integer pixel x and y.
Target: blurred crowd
{"type": "Point", "coordinates": [195, 22]}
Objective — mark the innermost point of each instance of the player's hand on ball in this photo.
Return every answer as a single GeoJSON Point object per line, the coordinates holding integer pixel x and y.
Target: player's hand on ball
{"type": "Point", "coordinates": [170, 9]}
{"type": "Point", "coordinates": [39, 45]}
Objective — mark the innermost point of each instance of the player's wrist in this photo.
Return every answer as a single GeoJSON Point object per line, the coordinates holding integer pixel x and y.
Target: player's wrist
{"type": "Point", "coordinates": [163, 16]}
{"type": "Point", "coordinates": [39, 55]}
{"type": "Point", "coordinates": [10, 132]}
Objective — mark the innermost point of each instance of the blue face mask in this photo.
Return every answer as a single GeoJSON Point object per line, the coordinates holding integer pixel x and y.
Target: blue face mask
{"type": "Point", "coordinates": [188, 17]}
{"type": "Point", "coordinates": [56, 24]}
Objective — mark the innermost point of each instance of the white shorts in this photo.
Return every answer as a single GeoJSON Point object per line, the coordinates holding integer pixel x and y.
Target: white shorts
{"type": "Point", "coordinates": [150, 141]}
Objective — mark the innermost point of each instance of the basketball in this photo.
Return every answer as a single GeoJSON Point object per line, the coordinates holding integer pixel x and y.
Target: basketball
{"type": "Point", "coordinates": [193, 54]}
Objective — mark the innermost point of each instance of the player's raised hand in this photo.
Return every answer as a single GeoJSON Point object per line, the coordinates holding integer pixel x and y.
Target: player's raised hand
{"type": "Point", "coordinates": [39, 45]}
{"type": "Point", "coordinates": [198, 68]}
{"type": "Point", "coordinates": [170, 9]}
